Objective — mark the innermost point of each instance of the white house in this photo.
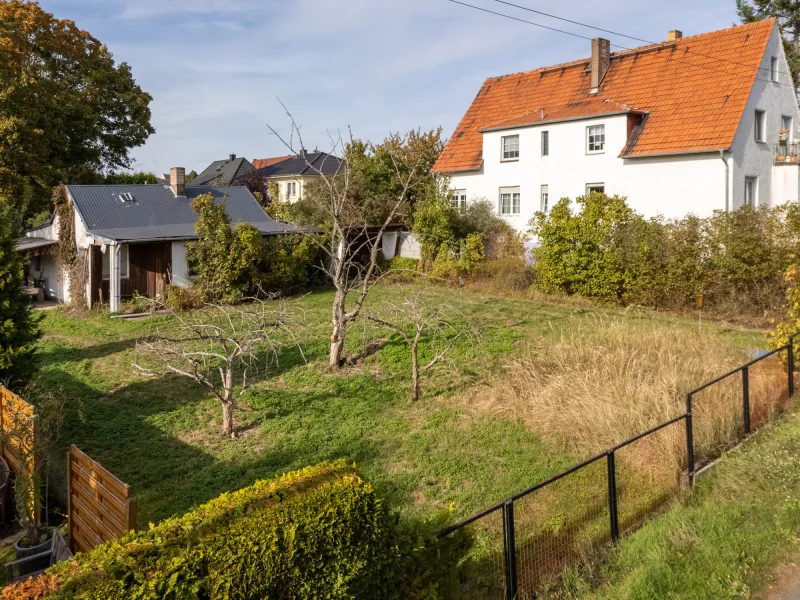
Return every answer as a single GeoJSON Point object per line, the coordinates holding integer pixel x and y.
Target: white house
{"type": "Point", "coordinates": [132, 238]}
{"type": "Point", "coordinates": [689, 125]}
{"type": "Point", "coordinates": [294, 172]}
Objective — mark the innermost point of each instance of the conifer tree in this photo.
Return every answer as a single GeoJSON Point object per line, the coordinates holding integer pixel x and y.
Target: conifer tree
{"type": "Point", "coordinates": [787, 12]}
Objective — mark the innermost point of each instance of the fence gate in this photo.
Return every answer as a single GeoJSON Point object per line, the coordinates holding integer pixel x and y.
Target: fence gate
{"type": "Point", "coordinates": [100, 507]}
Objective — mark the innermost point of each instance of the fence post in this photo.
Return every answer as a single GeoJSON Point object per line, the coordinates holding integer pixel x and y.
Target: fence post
{"type": "Point", "coordinates": [746, 399]}
{"type": "Point", "coordinates": [510, 550]}
{"type": "Point", "coordinates": [612, 495]}
{"type": "Point", "coordinates": [790, 365]}
{"type": "Point", "coordinates": [689, 441]}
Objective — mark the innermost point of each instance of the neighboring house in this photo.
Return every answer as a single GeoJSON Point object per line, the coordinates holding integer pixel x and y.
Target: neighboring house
{"type": "Point", "coordinates": [132, 238]}
{"type": "Point", "coordinates": [689, 125]}
{"type": "Point", "coordinates": [224, 172]}
{"type": "Point", "coordinates": [293, 173]}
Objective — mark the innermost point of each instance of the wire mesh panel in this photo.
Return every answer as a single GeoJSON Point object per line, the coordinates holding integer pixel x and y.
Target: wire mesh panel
{"type": "Point", "coordinates": [560, 525]}
{"type": "Point", "coordinates": [648, 473]}
{"type": "Point", "coordinates": [483, 573]}
{"type": "Point", "coordinates": [768, 389]}
{"type": "Point", "coordinates": [718, 419]}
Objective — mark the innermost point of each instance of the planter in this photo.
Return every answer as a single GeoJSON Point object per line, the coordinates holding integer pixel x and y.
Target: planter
{"type": "Point", "coordinates": [781, 159]}
{"type": "Point", "coordinates": [23, 552]}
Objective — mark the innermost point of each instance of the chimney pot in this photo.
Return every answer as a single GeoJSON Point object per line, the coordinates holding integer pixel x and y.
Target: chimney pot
{"type": "Point", "coordinates": [177, 180]}
{"type": "Point", "coordinates": [674, 35]}
{"type": "Point", "coordinates": [601, 61]}
{"type": "Point", "coordinates": [233, 157]}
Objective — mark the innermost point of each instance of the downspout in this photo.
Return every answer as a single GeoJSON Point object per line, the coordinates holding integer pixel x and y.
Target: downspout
{"type": "Point", "coordinates": [727, 179]}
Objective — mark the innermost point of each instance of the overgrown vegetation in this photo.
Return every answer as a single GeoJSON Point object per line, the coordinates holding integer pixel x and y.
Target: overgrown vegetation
{"type": "Point", "coordinates": [268, 541]}
{"type": "Point", "coordinates": [604, 250]}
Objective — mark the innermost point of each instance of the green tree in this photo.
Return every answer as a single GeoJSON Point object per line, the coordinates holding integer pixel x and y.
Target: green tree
{"type": "Point", "coordinates": [65, 108]}
{"type": "Point", "coordinates": [130, 179]}
{"type": "Point", "coordinates": [224, 258]}
{"type": "Point", "coordinates": [18, 323]}
{"type": "Point", "coordinates": [787, 12]}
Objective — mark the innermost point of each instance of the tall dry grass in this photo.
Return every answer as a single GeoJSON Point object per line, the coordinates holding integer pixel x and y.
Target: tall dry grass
{"type": "Point", "coordinates": [603, 380]}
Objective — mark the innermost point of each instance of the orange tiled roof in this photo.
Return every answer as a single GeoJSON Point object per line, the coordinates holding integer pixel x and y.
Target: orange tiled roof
{"type": "Point", "coordinates": [260, 163]}
{"type": "Point", "coordinates": [693, 99]}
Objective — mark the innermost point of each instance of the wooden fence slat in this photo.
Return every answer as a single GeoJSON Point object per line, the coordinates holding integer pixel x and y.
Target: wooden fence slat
{"type": "Point", "coordinates": [100, 506]}
{"type": "Point", "coordinates": [79, 491]}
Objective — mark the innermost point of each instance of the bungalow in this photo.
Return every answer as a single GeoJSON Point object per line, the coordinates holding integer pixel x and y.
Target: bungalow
{"type": "Point", "coordinates": [688, 125]}
{"type": "Point", "coordinates": [132, 238]}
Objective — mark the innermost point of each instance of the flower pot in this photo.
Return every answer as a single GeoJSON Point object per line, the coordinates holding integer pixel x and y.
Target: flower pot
{"type": "Point", "coordinates": [781, 158]}
{"type": "Point", "coordinates": [24, 552]}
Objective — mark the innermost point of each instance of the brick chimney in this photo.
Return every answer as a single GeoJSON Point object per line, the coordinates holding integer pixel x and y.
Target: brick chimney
{"type": "Point", "coordinates": [177, 180]}
{"type": "Point", "coordinates": [601, 61]}
{"type": "Point", "coordinates": [674, 35]}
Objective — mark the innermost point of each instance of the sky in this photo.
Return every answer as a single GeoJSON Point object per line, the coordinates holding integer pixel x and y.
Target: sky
{"type": "Point", "coordinates": [219, 70]}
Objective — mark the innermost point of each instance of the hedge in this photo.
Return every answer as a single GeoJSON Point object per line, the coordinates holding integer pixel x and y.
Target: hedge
{"type": "Point", "coordinates": [320, 532]}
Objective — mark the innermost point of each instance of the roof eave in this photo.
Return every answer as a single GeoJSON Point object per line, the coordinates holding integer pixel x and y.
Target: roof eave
{"type": "Point", "coordinates": [564, 120]}
{"type": "Point", "coordinates": [677, 153]}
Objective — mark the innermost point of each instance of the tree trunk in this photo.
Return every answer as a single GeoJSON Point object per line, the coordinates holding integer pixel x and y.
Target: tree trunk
{"type": "Point", "coordinates": [414, 373]}
{"type": "Point", "coordinates": [227, 418]}
{"type": "Point", "coordinates": [339, 330]}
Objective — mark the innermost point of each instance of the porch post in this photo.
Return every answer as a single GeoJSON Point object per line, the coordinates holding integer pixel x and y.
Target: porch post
{"type": "Point", "coordinates": [114, 283]}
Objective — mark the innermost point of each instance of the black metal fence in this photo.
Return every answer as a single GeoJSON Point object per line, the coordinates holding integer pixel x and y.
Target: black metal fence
{"type": "Point", "coordinates": [528, 540]}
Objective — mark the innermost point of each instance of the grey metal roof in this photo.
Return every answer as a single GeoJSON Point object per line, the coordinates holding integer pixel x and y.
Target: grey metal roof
{"type": "Point", "coordinates": [156, 213]}
{"type": "Point", "coordinates": [29, 243]}
{"type": "Point", "coordinates": [223, 172]}
{"type": "Point", "coordinates": [326, 163]}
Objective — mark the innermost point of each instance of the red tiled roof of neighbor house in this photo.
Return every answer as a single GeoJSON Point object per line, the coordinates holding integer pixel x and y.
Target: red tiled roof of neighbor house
{"type": "Point", "coordinates": [693, 90]}
{"type": "Point", "coordinates": [260, 163]}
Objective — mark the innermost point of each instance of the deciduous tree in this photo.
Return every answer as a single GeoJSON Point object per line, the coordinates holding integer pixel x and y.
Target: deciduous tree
{"type": "Point", "coordinates": [374, 187]}
{"type": "Point", "coordinates": [65, 105]}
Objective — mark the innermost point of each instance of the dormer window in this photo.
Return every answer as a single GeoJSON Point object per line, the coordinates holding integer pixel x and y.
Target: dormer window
{"type": "Point", "coordinates": [511, 147]}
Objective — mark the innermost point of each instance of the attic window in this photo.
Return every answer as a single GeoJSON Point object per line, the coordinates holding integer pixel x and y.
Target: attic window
{"type": "Point", "coordinates": [126, 197]}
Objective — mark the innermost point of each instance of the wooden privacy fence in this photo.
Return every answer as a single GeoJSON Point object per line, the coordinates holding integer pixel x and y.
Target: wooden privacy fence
{"type": "Point", "coordinates": [19, 440]}
{"type": "Point", "coordinates": [100, 506]}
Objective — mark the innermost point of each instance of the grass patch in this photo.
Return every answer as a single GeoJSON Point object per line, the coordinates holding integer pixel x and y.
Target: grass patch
{"type": "Point", "coordinates": [723, 540]}
{"type": "Point", "coordinates": [161, 435]}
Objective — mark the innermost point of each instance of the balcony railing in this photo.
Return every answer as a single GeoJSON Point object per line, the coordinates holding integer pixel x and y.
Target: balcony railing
{"type": "Point", "coordinates": [786, 152]}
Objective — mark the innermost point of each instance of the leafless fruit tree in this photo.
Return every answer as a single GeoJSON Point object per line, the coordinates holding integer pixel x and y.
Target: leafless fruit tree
{"type": "Point", "coordinates": [220, 343]}
{"type": "Point", "coordinates": [440, 324]}
{"type": "Point", "coordinates": [350, 213]}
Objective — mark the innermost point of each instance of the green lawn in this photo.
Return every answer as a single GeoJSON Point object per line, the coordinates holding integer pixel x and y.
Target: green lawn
{"type": "Point", "coordinates": [160, 435]}
{"type": "Point", "coordinates": [723, 540]}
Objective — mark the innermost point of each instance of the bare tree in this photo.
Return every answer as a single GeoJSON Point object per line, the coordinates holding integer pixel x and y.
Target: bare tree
{"type": "Point", "coordinates": [218, 342]}
{"type": "Point", "coordinates": [441, 324]}
{"type": "Point", "coordinates": [352, 212]}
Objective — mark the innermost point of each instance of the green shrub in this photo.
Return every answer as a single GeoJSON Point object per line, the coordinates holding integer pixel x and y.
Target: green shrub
{"type": "Point", "coordinates": [316, 533]}
{"type": "Point", "coordinates": [287, 263]}
{"type": "Point", "coordinates": [183, 298]}
{"type": "Point", "coordinates": [511, 273]}
{"type": "Point", "coordinates": [137, 304]}
{"type": "Point", "coordinates": [401, 263]}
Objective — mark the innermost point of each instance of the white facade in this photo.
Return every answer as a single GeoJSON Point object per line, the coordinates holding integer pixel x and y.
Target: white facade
{"type": "Point", "coordinates": [668, 185]}
{"type": "Point", "coordinates": [290, 187]}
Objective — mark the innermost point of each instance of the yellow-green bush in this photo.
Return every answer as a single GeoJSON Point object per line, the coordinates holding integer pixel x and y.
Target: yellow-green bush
{"type": "Point", "coordinates": [320, 532]}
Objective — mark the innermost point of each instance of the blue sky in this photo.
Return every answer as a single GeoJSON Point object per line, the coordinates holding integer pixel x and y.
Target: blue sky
{"type": "Point", "coordinates": [215, 68]}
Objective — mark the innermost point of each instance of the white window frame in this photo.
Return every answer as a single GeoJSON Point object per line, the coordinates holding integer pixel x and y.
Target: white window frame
{"type": "Point", "coordinates": [514, 200]}
{"type": "Point", "coordinates": [750, 199]}
{"type": "Point", "coordinates": [593, 186]}
{"type": "Point", "coordinates": [458, 198]}
{"type": "Point", "coordinates": [124, 263]}
{"type": "Point", "coordinates": [760, 126]}
{"type": "Point", "coordinates": [773, 69]}
{"type": "Point", "coordinates": [784, 119]}
{"type": "Point", "coordinates": [545, 198]}
{"type": "Point", "coordinates": [512, 154]}
{"type": "Point", "coordinates": [592, 144]}
{"type": "Point", "coordinates": [291, 189]}
{"type": "Point", "coordinates": [546, 142]}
